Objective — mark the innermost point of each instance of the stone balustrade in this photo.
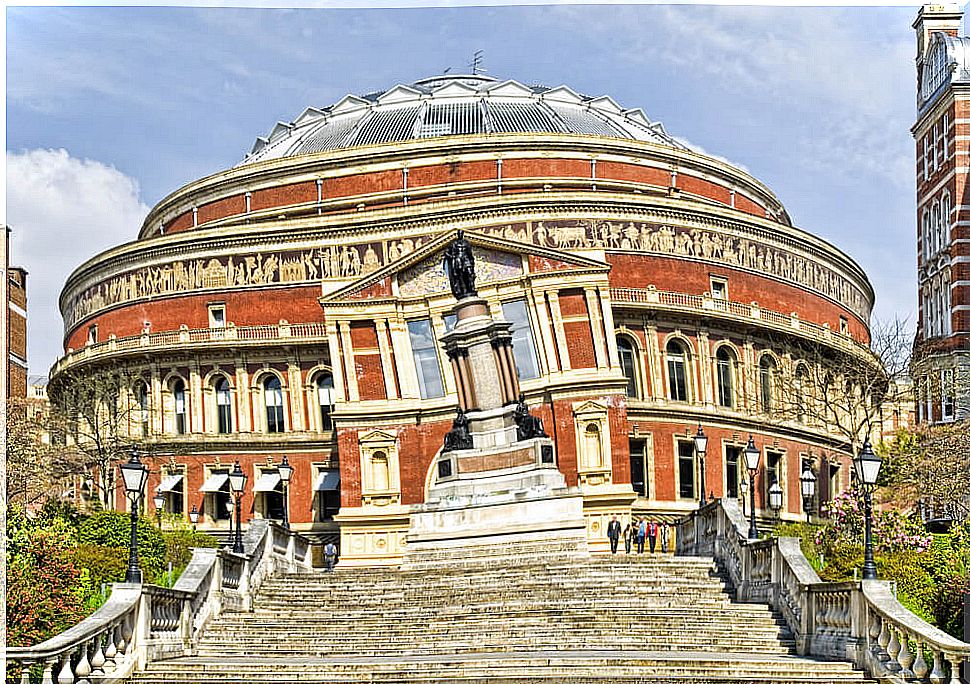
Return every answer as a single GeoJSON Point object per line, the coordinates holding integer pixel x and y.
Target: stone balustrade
{"type": "Point", "coordinates": [861, 622]}
{"type": "Point", "coordinates": [142, 623]}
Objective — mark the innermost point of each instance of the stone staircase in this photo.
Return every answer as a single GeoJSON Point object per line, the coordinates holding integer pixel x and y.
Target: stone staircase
{"type": "Point", "coordinates": [560, 618]}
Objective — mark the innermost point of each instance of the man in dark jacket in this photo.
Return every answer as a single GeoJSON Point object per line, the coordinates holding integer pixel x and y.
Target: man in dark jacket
{"type": "Point", "coordinates": [613, 531]}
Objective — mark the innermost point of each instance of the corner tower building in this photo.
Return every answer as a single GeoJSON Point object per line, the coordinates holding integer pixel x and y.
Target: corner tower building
{"type": "Point", "coordinates": [942, 360]}
{"type": "Point", "coordinates": [297, 304]}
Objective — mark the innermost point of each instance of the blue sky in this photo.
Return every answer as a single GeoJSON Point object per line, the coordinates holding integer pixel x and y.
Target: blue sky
{"type": "Point", "coordinates": [110, 109]}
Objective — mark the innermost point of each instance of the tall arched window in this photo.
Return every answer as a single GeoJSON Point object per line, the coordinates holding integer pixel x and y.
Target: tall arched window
{"type": "Point", "coordinates": [725, 377]}
{"type": "Point", "coordinates": [629, 365]}
{"type": "Point", "coordinates": [935, 246]}
{"type": "Point", "coordinates": [325, 398]}
{"type": "Point", "coordinates": [801, 388]}
{"type": "Point", "coordinates": [273, 400]}
{"type": "Point", "coordinates": [766, 374]}
{"type": "Point", "coordinates": [141, 416]}
{"type": "Point", "coordinates": [181, 410]}
{"type": "Point", "coordinates": [677, 371]}
{"type": "Point", "coordinates": [223, 406]}
{"type": "Point", "coordinates": [594, 446]}
{"type": "Point", "coordinates": [927, 238]}
{"type": "Point", "coordinates": [944, 238]}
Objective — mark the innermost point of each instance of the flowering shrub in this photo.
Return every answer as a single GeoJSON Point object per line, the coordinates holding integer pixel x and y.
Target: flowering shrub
{"type": "Point", "coordinates": [891, 532]}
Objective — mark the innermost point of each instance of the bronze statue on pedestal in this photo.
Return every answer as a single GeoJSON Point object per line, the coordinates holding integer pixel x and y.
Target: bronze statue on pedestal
{"type": "Point", "coordinates": [460, 266]}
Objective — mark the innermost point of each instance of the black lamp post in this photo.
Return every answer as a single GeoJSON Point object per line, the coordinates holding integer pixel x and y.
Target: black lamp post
{"type": "Point", "coordinates": [774, 497]}
{"type": "Point", "coordinates": [867, 465]}
{"type": "Point", "coordinates": [159, 501]}
{"type": "Point", "coordinates": [134, 473]}
{"type": "Point", "coordinates": [752, 456]}
{"type": "Point", "coordinates": [700, 446]}
{"type": "Point", "coordinates": [237, 482]}
{"type": "Point", "coordinates": [286, 472]}
{"type": "Point", "coordinates": [808, 480]}
{"type": "Point", "coordinates": [194, 516]}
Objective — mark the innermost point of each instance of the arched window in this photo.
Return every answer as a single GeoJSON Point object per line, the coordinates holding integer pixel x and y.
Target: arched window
{"type": "Point", "coordinates": [325, 398]}
{"type": "Point", "coordinates": [629, 365]}
{"type": "Point", "coordinates": [141, 417]}
{"type": "Point", "coordinates": [944, 237]}
{"type": "Point", "coordinates": [766, 374]}
{"type": "Point", "coordinates": [935, 235]}
{"type": "Point", "coordinates": [181, 410]}
{"type": "Point", "coordinates": [725, 377]}
{"type": "Point", "coordinates": [223, 406]}
{"type": "Point", "coordinates": [801, 387]}
{"type": "Point", "coordinates": [381, 471]}
{"type": "Point", "coordinates": [594, 446]}
{"type": "Point", "coordinates": [927, 237]}
{"type": "Point", "coordinates": [677, 371]}
{"type": "Point", "coordinates": [273, 400]}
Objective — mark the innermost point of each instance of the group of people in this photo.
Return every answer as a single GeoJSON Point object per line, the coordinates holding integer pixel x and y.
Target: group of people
{"type": "Point", "coordinates": [639, 531]}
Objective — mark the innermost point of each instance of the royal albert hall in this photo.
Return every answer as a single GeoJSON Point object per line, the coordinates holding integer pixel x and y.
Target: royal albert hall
{"type": "Point", "coordinates": [293, 305]}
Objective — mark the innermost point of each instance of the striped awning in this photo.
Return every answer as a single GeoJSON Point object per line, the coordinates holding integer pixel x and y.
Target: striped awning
{"type": "Point", "coordinates": [327, 481]}
{"type": "Point", "coordinates": [168, 483]}
{"type": "Point", "coordinates": [267, 482]}
{"type": "Point", "coordinates": [215, 482]}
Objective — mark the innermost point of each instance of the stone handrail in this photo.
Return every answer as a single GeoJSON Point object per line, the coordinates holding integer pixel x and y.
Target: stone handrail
{"type": "Point", "coordinates": [140, 623]}
{"type": "Point", "coordinates": [861, 622]}
{"type": "Point", "coordinates": [231, 334]}
{"type": "Point", "coordinates": [662, 299]}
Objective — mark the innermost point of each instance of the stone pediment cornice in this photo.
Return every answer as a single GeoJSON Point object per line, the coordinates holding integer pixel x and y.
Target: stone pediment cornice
{"type": "Point", "coordinates": [483, 241]}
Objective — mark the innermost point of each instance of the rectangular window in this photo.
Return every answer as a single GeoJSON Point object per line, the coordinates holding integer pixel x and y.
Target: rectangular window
{"type": "Point", "coordinates": [92, 334]}
{"type": "Point", "coordinates": [217, 504]}
{"type": "Point", "coordinates": [677, 372]}
{"type": "Point", "coordinates": [326, 487]}
{"type": "Point", "coordinates": [843, 325]}
{"type": "Point", "coordinates": [425, 351]}
{"type": "Point", "coordinates": [774, 466]}
{"type": "Point", "coordinates": [732, 466]}
{"type": "Point", "coordinates": [686, 469]}
{"type": "Point", "coordinates": [523, 347]}
{"type": "Point", "coordinates": [217, 315]}
{"type": "Point", "coordinates": [450, 321]}
{"type": "Point", "coordinates": [946, 136]}
{"type": "Point", "coordinates": [948, 400]}
{"type": "Point", "coordinates": [936, 145]}
{"type": "Point", "coordinates": [926, 157]}
{"type": "Point", "coordinates": [172, 488]}
{"type": "Point", "coordinates": [638, 467]}
{"type": "Point", "coordinates": [719, 288]}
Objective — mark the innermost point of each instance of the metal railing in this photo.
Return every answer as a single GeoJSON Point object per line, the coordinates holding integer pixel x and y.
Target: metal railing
{"type": "Point", "coordinates": [861, 622]}
{"type": "Point", "coordinates": [141, 623]}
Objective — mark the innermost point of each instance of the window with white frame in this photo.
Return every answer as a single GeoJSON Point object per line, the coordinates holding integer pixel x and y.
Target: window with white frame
{"type": "Point", "coordinates": [686, 470]}
{"type": "Point", "coordinates": [628, 364]}
{"type": "Point", "coordinates": [947, 395]}
{"type": "Point", "coordinates": [766, 381]}
{"type": "Point", "coordinates": [733, 462]}
{"type": "Point", "coordinates": [326, 399]}
{"type": "Point", "coordinates": [181, 406]}
{"type": "Point", "coordinates": [92, 333]}
{"type": "Point", "coordinates": [944, 236]}
{"type": "Point", "coordinates": [926, 157]}
{"type": "Point", "coordinates": [142, 415]}
{"type": "Point", "coordinates": [677, 371]}
{"type": "Point", "coordinates": [936, 145]}
{"type": "Point", "coordinates": [935, 234]}
{"type": "Point", "coordinates": [223, 405]}
{"type": "Point", "coordinates": [217, 315]}
{"type": "Point", "coordinates": [927, 229]}
{"type": "Point", "coordinates": [523, 345]}
{"type": "Point", "coordinates": [946, 135]}
{"type": "Point", "coordinates": [425, 351]}
{"type": "Point", "coordinates": [726, 362]}
{"type": "Point", "coordinates": [719, 288]}
{"type": "Point", "coordinates": [273, 401]}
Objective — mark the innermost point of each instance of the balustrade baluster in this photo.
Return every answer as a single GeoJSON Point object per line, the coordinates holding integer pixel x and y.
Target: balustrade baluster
{"type": "Point", "coordinates": [937, 676]}
{"type": "Point", "coordinates": [48, 672]}
{"type": "Point", "coordinates": [83, 667]}
{"type": "Point", "coordinates": [25, 673]}
{"type": "Point", "coordinates": [884, 637]}
{"type": "Point", "coordinates": [875, 622]}
{"type": "Point", "coordinates": [97, 660]}
{"type": "Point", "coordinates": [111, 651]}
{"type": "Point", "coordinates": [893, 648]}
{"type": "Point", "coordinates": [955, 662]}
{"type": "Point", "coordinates": [905, 657]}
{"type": "Point", "coordinates": [920, 668]}
{"type": "Point", "coordinates": [127, 628]}
{"type": "Point", "coordinates": [66, 676]}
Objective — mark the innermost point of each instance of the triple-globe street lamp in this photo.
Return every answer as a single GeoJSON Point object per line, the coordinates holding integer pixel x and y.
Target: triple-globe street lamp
{"type": "Point", "coordinates": [134, 474]}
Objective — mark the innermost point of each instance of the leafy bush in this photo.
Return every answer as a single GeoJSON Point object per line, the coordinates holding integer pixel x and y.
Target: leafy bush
{"type": "Point", "coordinates": [104, 564]}
{"type": "Point", "coordinates": [891, 531]}
{"type": "Point", "coordinates": [948, 606]}
{"type": "Point", "coordinates": [179, 544]}
{"type": "Point", "coordinates": [113, 529]}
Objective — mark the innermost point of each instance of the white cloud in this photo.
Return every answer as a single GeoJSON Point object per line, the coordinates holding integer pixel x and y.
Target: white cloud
{"type": "Point", "coordinates": [62, 210]}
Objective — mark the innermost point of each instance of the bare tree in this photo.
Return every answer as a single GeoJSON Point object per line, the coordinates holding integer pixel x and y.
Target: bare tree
{"type": "Point", "coordinates": [845, 388]}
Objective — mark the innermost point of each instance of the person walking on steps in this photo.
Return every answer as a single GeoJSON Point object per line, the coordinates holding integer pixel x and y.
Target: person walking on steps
{"type": "Point", "coordinates": [628, 534]}
{"type": "Point", "coordinates": [664, 536]}
{"type": "Point", "coordinates": [641, 534]}
{"type": "Point", "coordinates": [652, 535]}
{"type": "Point", "coordinates": [330, 555]}
{"type": "Point", "coordinates": [613, 532]}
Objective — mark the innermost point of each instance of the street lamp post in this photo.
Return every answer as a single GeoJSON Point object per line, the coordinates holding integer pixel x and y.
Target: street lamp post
{"type": "Point", "coordinates": [237, 482]}
{"type": "Point", "coordinates": [752, 456]}
{"type": "Point", "coordinates": [286, 472]}
{"type": "Point", "coordinates": [867, 465]}
{"type": "Point", "coordinates": [134, 473]}
{"type": "Point", "coordinates": [159, 501]}
{"type": "Point", "coordinates": [700, 446]}
{"type": "Point", "coordinates": [194, 516]}
{"type": "Point", "coordinates": [807, 480]}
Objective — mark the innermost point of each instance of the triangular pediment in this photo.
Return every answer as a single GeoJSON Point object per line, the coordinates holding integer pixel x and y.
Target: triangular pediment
{"type": "Point", "coordinates": [399, 93]}
{"type": "Point", "coordinates": [421, 272]}
{"type": "Point", "coordinates": [376, 436]}
{"type": "Point", "coordinates": [588, 407]}
{"type": "Point", "coordinates": [454, 89]}
{"type": "Point", "coordinates": [563, 94]}
{"type": "Point", "coordinates": [509, 88]}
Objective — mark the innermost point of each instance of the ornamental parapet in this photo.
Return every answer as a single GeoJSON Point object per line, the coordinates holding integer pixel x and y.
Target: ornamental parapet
{"type": "Point", "coordinates": [195, 339]}
{"type": "Point", "coordinates": [792, 324]}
